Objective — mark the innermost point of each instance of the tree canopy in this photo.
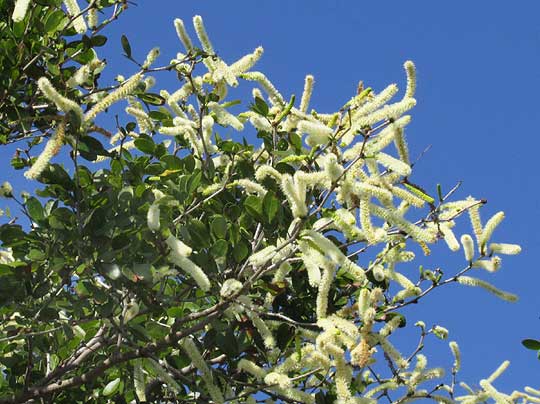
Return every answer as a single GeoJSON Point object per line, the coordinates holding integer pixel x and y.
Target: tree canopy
{"type": "Point", "coordinates": [219, 250]}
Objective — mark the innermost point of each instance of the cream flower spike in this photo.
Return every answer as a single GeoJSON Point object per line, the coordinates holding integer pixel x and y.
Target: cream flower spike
{"type": "Point", "coordinates": [470, 281]}
{"type": "Point", "coordinates": [246, 62]}
{"type": "Point", "coordinates": [273, 94]}
{"type": "Point", "coordinates": [120, 93]}
{"type": "Point", "coordinates": [151, 57]}
{"type": "Point", "coordinates": [202, 35]}
{"type": "Point", "coordinates": [51, 149]}
{"type": "Point", "coordinates": [410, 69]}
{"type": "Point", "coordinates": [73, 10]}
{"type": "Point", "coordinates": [306, 95]}
{"type": "Point", "coordinates": [189, 347]}
{"type": "Point", "coordinates": [318, 134]}
{"type": "Point", "coordinates": [20, 10]}
{"type": "Point", "coordinates": [377, 102]}
{"type": "Point", "coordinates": [224, 117]}
{"type": "Point", "coordinates": [62, 103]}
{"type": "Point", "coordinates": [92, 18]}
{"type": "Point", "coordinates": [182, 34]}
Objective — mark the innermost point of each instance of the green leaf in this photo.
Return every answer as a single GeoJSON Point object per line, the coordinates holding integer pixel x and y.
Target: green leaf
{"type": "Point", "coordinates": [171, 162]}
{"type": "Point", "coordinates": [90, 148]}
{"type": "Point", "coordinates": [531, 344]}
{"type": "Point", "coordinates": [194, 182]}
{"type": "Point", "coordinates": [36, 255]}
{"type": "Point", "coordinates": [146, 145]}
{"type": "Point", "coordinates": [199, 234]}
{"type": "Point", "coordinates": [98, 40]}
{"type": "Point", "coordinates": [228, 343]}
{"type": "Point", "coordinates": [270, 205]}
{"type": "Point", "coordinates": [53, 22]}
{"type": "Point", "coordinates": [35, 210]}
{"type": "Point", "coordinates": [253, 205]}
{"type": "Point", "coordinates": [219, 227]}
{"type": "Point", "coordinates": [126, 46]}
{"type": "Point", "coordinates": [151, 98]}
{"type": "Point", "coordinates": [220, 248]}
{"type": "Point", "coordinates": [158, 115]}
{"type": "Point", "coordinates": [240, 251]}
{"type": "Point", "coordinates": [260, 107]}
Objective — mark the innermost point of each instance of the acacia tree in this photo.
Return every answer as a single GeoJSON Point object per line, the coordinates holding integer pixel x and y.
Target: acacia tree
{"type": "Point", "coordinates": [183, 265]}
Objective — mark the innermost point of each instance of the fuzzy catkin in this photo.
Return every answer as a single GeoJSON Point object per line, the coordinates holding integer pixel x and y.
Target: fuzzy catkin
{"type": "Point", "coordinates": [202, 35]}
{"type": "Point", "coordinates": [51, 149]}
{"type": "Point", "coordinates": [247, 62]}
{"type": "Point", "coordinates": [62, 103]}
{"type": "Point", "coordinates": [273, 93]}
{"type": "Point", "coordinates": [469, 281]}
{"type": "Point", "coordinates": [20, 10]}
{"type": "Point", "coordinates": [73, 10]}
{"type": "Point", "coordinates": [189, 347]}
{"type": "Point", "coordinates": [490, 226]}
{"type": "Point", "coordinates": [410, 69]}
{"type": "Point", "coordinates": [306, 95]}
{"type": "Point", "coordinates": [120, 93]}
{"type": "Point", "coordinates": [457, 356]}
{"type": "Point", "coordinates": [182, 34]}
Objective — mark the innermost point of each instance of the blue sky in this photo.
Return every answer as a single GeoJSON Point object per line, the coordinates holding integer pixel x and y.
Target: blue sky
{"type": "Point", "coordinates": [478, 80]}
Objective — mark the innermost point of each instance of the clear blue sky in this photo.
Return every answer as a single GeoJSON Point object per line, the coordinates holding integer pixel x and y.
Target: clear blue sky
{"type": "Point", "coordinates": [478, 82]}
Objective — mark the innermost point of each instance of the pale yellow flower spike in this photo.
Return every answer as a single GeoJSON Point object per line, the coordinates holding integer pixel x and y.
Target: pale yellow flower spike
{"type": "Point", "coordinates": [19, 12]}
{"type": "Point", "coordinates": [197, 360]}
{"type": "Point", "coordinates": [251, 368]}
{"type": "Point", "coordinates": [392, 111]}
{"type": "Point", "coordinates": [468, 247]}
{"type": "Point", "coordinates": [92, 18]}
{"type": "Point", "coordinates": [247, 62]}
{"type": "Point", "coordinates": [273, 93]}
{"type": "Point", "coordinates": [120, 93]}
{"type": "Point", "coordinates": [178, 256]}
{"type": "Point", "coordinates": [365, 219]}
{"type": "Point", "coordinates": [401, 145]}
{"type": "Point", "coordinates": [324, 287]}
{"type": "Point", "coordinates": [343, 380]}
{"type": "Point", "coordinates": [306, 95]}
{"type": "Point", "coordinates": [262, 328]}
{"type": "Point", "coordinates": [73, 10]}
{"type": "Point", "coordinates": [476, 222]}
{"type": "Point", "coordinates": [202, 35]}
{"type": "Point", "coordinates": [377, 102]}
{"type": "Point", "coordinates": [498, 371]}
{"type": "Point", "coordinates": [393, 164]}
{"type": "Point", "coordinates": [493, 393]}
{"type": "Point", "coordinates": [507, 249]}
{"type": "Point", "coordinates": [138, 380]}
{"type": "Point", "coordinates": [51, 149]}
{"type": "Point", "coordinates": [491, 225]}
{"type": "Point", "coordinates": [182, 34]}
{"type": "Point", "coordinates": [150, 57]}
{"type": "Point", "coordinates": [410, 69]}
{"type": "Point", "coordinates": [62, 103]}
{"type": "Point", "coordinates": [457, 356]}
{"type": "Point", "coordinates": [163, 375]}
{"type": "Point", "coordinates": [469, 281]}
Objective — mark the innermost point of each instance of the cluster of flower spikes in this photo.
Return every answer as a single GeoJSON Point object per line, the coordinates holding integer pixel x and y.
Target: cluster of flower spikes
{"type": "Point", "coordinates": [348, 166]}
